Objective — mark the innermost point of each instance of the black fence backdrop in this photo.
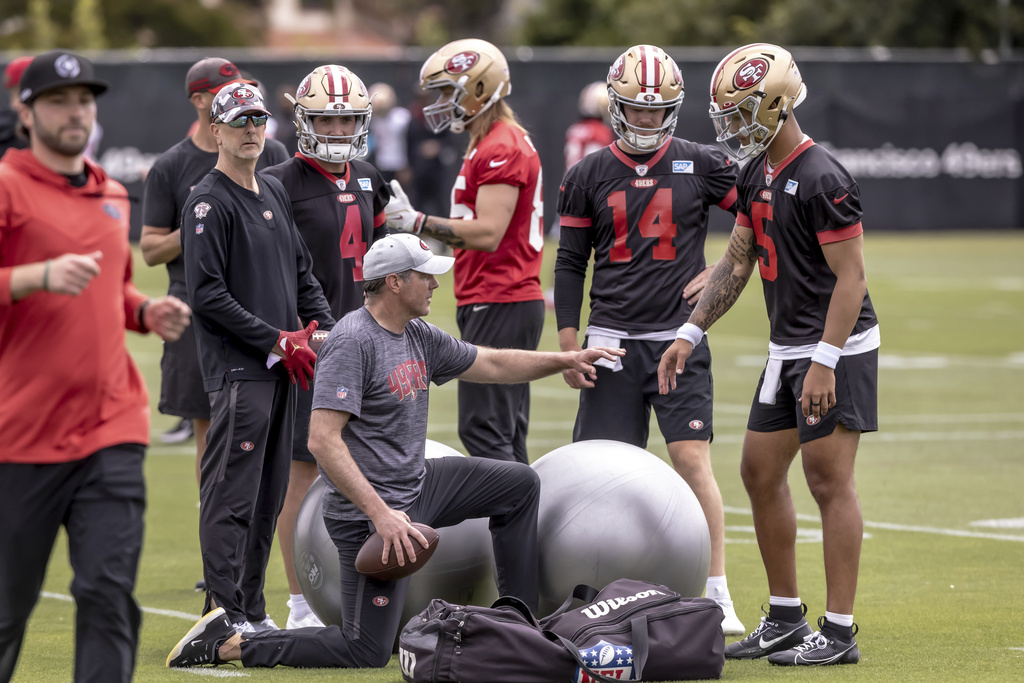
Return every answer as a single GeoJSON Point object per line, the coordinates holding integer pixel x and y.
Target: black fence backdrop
{"type": "Point", "coordinates": [934, 138]}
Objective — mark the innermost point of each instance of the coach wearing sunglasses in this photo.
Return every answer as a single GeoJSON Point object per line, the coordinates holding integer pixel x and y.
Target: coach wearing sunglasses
{"type": "Point", "coordinates": [249, 278]}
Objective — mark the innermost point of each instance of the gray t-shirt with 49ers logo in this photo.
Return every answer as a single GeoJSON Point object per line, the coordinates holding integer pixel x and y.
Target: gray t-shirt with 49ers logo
{"type": "Point", "coordinates": [382, 379]}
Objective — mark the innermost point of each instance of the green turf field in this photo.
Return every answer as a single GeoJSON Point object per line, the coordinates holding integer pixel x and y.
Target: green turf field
{"type": "Point", "coordinates": [941, 590]}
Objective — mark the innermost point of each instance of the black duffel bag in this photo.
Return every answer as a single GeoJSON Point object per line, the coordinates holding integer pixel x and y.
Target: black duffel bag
{"type": "Point", "coordinates": [630, 630]}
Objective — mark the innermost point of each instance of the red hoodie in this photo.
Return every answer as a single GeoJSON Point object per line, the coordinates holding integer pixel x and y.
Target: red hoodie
{"type": "Point", "coordinates": [67, 384]}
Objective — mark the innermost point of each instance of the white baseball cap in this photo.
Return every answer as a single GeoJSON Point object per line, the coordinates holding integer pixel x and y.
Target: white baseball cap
{"type": "Point", "coordinates": [401, 252]}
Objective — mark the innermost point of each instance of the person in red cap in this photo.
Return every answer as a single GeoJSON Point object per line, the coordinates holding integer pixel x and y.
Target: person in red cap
{"type": "Point", "coordinates": [168, 184]}
{"type": "Point", "coordinates": [75, 412]}
{"type": "Point", "coordinates": [10, 131]}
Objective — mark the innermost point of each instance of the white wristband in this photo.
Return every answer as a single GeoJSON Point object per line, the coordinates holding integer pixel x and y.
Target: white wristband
{"type": "Point", "coordinates": [690, 333]}
{"type": "Point", "coordinates": [826, 354]}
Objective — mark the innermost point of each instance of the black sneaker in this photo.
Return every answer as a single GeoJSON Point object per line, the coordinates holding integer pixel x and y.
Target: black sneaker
{"type": "Point", "coordinates": [179, 433]}
{"type": "Point", "coordinates": [200, 644]}
{"type": "Point", "coordinates": [819, 649]}
{"type": "Point", "coordinates": [771, 635]}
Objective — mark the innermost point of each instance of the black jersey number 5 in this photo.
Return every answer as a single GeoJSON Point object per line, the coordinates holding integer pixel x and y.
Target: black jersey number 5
{"type": "Point", "coordinates": [655, 222]}
{"type": "Point", "coordinates": [761, 213]}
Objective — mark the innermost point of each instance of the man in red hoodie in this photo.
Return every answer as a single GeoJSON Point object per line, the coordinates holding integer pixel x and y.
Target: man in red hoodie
{"type": "Point", "coordinates": [74, 417]}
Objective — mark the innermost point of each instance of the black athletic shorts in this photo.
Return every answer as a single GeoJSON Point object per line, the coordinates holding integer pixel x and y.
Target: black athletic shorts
{"type": "Point", "coordinates": [181, 380]}
{"type": "Point", "coordinates": [619, 405]}
{"type": "Point", "coordinates": [856, 399]}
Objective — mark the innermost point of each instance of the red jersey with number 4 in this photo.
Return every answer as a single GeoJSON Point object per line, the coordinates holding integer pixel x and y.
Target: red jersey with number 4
{"type": "Point", "coordinates": [806, 201]}
{"type": "Point", "coordinates": [505, 156]}
{"type": "Point", "coordinates": [645, 218]}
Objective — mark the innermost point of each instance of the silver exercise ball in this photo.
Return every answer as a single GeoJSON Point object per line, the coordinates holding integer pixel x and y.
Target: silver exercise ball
{"type": "Point", "coordinates": [460, 571]}
{"type": "Point", "coordinates": [609, 510]}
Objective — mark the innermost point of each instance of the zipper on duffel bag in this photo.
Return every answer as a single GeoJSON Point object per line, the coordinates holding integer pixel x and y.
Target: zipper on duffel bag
{"type": "Point", "coordinates": [621, 624]}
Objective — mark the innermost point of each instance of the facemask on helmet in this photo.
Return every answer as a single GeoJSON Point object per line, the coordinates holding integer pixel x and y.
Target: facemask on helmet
{"type": "Point", "coordinates": [470, 76]}
{"type": "Point", "coordinates": [332, 90]}
{"type": "Point", "coordinates": [753, 91]}
{"type": "Point", "coordinates": [645, 77]}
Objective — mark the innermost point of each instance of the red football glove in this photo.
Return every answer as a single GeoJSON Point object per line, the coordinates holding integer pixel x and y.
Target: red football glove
{"type": "Point", "coordinates": [296, 356]}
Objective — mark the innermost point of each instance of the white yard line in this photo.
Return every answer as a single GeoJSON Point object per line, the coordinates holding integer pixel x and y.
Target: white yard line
{"type": "Point", "coordinates": [909, 528]}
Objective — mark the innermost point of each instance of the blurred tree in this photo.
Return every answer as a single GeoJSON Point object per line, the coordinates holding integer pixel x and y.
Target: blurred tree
{"type": "Point", "coordinates": [88, 25]}
{"type": "Point", "coordinates": [79, 24]}
{"type": "Point", "coordinates": [42, 30]}
{"type": "Point", "coordinates": [972, 24]}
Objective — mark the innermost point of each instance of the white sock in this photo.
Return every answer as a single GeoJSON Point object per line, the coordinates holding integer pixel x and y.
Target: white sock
{"type": "Point", "coordinates": [784, 602]}
{"type": "Point", "coordinates": [839, 619]}
{"type": "Point", "coordinates": [717, 587]}
{"type": "Point", "coordinates": [298, 605]}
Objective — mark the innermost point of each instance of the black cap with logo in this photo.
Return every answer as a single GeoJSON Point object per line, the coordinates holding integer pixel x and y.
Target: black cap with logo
{"type": "Point", "coordinates": [58, 69]}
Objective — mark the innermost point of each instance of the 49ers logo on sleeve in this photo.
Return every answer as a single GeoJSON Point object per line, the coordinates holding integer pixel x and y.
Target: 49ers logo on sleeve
{"type": "Point", "coordinates": [461, 62]}
{"type": "Point", "coordinates": [751, 73]}
{"type": "Point", "coordinates": [201, 209]}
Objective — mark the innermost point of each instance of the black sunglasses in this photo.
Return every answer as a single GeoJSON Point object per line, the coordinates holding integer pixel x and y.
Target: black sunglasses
{"type": "Point", "coordinates": [257, 120]}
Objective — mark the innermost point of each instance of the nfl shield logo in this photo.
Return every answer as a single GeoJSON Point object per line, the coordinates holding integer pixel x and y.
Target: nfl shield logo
{"type": "Point", "coordinates": [199, 228]}
{"type": "Point", "coordinates": [641, 170]}
{"type": "Point", "coordinates": [342, 392]}
{"type": "Point", "coordinates": [614, 661]}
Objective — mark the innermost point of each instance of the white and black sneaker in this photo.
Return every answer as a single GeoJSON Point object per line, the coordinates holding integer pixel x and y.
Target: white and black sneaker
{"type": "Point", "coordinates": [819, 649]}
{"type": "Point", "coordinates": [771, 635]}
{"type": "Point", "coordinates": [179, 433]}
{"type": "Point", "coordinates": [199, 646]}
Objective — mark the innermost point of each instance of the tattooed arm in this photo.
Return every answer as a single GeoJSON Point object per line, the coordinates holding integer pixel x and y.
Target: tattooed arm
{"type": "Point", "coordinates": [727, 280]}
{"type": "Point", "coordinates": [495, 205]}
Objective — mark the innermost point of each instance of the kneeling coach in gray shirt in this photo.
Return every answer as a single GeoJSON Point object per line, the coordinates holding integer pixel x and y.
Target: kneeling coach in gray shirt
{"type": "Point", "coordinates": [368, 432]}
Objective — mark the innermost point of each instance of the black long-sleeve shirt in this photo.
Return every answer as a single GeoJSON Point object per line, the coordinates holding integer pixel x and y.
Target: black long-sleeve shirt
{"type": "Point", "coordinates": [248, 275]}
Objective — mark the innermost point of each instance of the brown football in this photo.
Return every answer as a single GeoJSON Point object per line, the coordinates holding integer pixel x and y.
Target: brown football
{"type": "Point", "coordinates": [368, 560]}
{"type": "Point", "coordinates": [317, 339]}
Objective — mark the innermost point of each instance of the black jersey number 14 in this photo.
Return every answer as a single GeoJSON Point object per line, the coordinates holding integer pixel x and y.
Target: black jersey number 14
{"type": "Point", "coordinates": [761, 215]}
{"type": "Point", "coordinates": [655, 222]}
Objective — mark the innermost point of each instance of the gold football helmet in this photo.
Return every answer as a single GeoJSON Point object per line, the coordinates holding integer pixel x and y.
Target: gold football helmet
{"type": "Point", "coordinates": [644, 76]}
{"type": "Point", "coordinates": [594, 101]}
{"type": "Point", "coordinates": [477, 75]}
{"type": "Point", "coordinates": [332, 90]}
{"type": "Point", "coordinates": [753, 91]}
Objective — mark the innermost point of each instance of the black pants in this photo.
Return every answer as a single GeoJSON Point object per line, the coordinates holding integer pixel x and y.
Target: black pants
{"type": "Point", "coordinates": [493, 418]}
{"type": "Point", "coordinates": [243, 481]}
{"type": "Point", "coordinates": [454, 489]}
{"type": "Point", "coordinates": [101, 501]}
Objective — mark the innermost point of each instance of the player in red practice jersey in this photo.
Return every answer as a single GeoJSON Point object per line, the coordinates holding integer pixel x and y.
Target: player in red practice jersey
{"type": "Point", "coordinates": [497, 230]}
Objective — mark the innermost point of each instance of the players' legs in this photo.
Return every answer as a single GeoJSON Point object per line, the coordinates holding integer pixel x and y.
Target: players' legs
{"type": "Point", "coordinates": [302, 475]}
{"type": "Point", "coordinates": [764, 466]}
{"type": "Point", "coordinates": [201, 427]}
{"type": "Point", "coordinates": [493, 419]}
{"type": "Point", "coordinates": [231, 477]}
{"type": "Point", "coordinates": [269, 499]}
{"type": "Point", "coordinates": [615, 407]}
{"type": "Point", "coordinates": [828, 467]}
{"type": "Point", "coordinates": [692, 460]}
{"type": "Point", "coordinates": [456, 489]}
{"type": "Point", "coordinates": [105, 528]}
{"type": "Point", "coordinates": [33, 499]}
